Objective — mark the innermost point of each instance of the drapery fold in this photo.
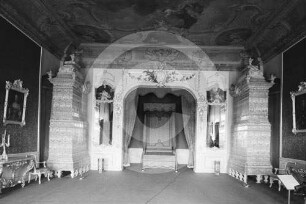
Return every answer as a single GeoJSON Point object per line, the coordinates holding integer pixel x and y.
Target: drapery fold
{"type": "Point", "coordinates": [188, 113]}
{"type": "Point", "coordinates": [173, 131]}
{"type": "Point", "coordinates": [129, 123]}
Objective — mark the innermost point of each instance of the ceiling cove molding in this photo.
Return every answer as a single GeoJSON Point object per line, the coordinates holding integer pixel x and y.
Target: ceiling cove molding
{"type": "Point", "coordinates": [225, 58]}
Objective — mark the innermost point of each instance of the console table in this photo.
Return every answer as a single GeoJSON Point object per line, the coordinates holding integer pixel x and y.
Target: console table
{"type": "Point", "coordinates": [14, 171]}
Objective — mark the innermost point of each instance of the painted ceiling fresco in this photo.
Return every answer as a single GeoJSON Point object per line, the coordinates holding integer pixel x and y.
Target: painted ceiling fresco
{"type": "Point", "coordinates": [266, 26]}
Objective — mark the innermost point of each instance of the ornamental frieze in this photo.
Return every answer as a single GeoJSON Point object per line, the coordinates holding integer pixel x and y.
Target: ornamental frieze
{"type": "Point", "coordinates": [160, 77]}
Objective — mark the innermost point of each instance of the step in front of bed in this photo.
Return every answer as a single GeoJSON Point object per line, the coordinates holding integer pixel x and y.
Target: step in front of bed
{"type": "Point", "coordinates": [159, 160]}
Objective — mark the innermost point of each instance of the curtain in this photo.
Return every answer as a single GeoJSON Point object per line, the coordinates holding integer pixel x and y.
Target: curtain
{"type": "Point", "coordinates": [189, 127]}
{"type": "Point", "coordinates": [172, 130]}
{"type": "Point", "coordinates": [104, 123]}
{"type": "Point", "coordinates": [129, 123]}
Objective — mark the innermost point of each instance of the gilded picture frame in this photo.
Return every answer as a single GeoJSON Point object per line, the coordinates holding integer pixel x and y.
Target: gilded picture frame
{"type": "Point", "coordinates": [15, 103]}
{"type": "Point", "coordinates": [299, 109]}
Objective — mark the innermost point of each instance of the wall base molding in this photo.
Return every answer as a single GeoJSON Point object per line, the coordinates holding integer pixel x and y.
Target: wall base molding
{"type": "Point", "coordinates": [283, 161]}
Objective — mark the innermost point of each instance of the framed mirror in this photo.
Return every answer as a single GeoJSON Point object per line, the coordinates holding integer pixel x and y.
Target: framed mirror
{"type": "Point", "coordinates": [15, 103]}
{"type": "Point", "coordinates": [299, 108]}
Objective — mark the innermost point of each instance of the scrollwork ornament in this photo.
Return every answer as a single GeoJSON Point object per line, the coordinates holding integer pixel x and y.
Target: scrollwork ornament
{"type": "Point", "coordinates": [8, 85]}
{"type": "Point", "coordinates": [118, 109]}
{"type": "Point", "coordinates": [302, 86]}
{"type": "Point", "coordinates": [202, 108]}
{"type": "Point", "coordinates": [160, 77]}
{"type": "Point", "coordinates": [118, 97]}
{"type": "Point", "coordinates": [202, 98]}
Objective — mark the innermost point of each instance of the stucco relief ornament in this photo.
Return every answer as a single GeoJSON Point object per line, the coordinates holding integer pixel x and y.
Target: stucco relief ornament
{"type": "Point", "coordinates": [160, 76]}
{"type": "Point", "coordinates": [202, 108]}
{"type": "Point", "coordinates": [202, 98]}
{"type": "Point", "coordinates": [118, 104]}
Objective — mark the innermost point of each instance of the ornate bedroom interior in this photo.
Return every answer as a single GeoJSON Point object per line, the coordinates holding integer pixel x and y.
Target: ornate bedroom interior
{"type": "Point", "coordinates": [211, 87]}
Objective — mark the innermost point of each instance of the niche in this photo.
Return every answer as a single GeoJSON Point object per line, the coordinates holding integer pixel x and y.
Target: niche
{"type": "Point", "coordinates": [104, 103]}
{"type": "Point", "coordinates": [216, 110]}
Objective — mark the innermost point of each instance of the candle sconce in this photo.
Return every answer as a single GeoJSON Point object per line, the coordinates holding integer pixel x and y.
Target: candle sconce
{"type": "Point", "coordinates": [5, 144]}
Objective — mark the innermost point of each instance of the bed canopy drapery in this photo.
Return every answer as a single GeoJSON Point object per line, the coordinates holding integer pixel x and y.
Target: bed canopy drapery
{"type": "Point", "coordinates": [162, 117]}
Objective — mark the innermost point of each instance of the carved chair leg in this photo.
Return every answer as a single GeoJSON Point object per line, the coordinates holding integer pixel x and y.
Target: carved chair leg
{"type": "Point", "coordinates": [39, 178]}
{"type": "Point", "coordinates": [22, 183]}
{"type": "Point", "coordinates": [279, 185]}
{"type": "Point", "coordinates": [48, 176]}
{"type": "Point", "coordinates": [59, 174]}
{"type": "Point", "coordinates": [29, 179]}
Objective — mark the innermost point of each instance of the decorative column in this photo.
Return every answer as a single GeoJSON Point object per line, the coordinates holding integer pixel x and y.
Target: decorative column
{"type": "Point", "coordinates": [251, 133]}
{"type": "Point", "coordinates": [201, 134]}
{"type": "Point", "coordinates": [68, 149]}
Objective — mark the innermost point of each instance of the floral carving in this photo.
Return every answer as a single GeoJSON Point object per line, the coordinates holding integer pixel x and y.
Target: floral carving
{"type": "Point", "coordinates": [161, 77]}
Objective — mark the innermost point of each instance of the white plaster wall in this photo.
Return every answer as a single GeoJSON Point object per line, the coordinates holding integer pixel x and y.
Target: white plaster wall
{"type": "Point", "coordinates": [199, 64]}
{"type": "Point", "coordinates": [204, 156]}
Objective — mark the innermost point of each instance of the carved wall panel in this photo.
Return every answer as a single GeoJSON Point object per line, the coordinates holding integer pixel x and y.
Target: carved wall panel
{"type": "Point", "coordinates": [112, 153]}
{"type": "Point", "coordinates": [140, 63]}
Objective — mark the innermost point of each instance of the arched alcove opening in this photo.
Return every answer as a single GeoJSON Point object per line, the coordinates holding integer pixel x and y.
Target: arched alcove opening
{"type": "Point", "coordinates": [158, 117]}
